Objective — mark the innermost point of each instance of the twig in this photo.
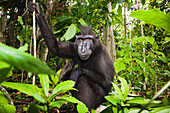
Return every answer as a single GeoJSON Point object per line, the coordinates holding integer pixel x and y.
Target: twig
{"type": "Point", "coordinates": [5, 92]}
{"type": "Point", "coordinates": [18, 18]}
{"type": "Point", "coordinates": [69, 8]}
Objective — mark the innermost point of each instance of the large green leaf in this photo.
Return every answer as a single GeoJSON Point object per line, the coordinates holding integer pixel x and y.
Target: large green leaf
{"type": "Point", "coordinates": [3, 99]}
{"type": "Point", "coordinates": [164, 109]}
{"type": "Point", "coordinates": [44, 80]}
{"type": "Point", "coordinates": [5, 70]}
{"type": "Point", "coordinates": [29, 89]}
{"type": "Point", "coordinates": [7, 108]}
{"type": "Point", "coordinates": [124, 87]}
{"type": "Point", "coordinates": [154, 16]}
{"type": "Point", "coordinates": [113, 99]}
{"type": "Point", "coordinates": [22, 60]}
{"type": "Point", "coordinates": [71, 31]}
{"type": "Point", "coordinates": [82, 22]}
{"type": "Point", "coordinates": [63, 87]}
{"type": "Point", "coordinates": [119, 66]}
{"type": "Point", "coordinates": [118, 91]}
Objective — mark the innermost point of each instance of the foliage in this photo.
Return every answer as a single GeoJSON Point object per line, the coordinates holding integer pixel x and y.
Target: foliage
{"type": "Point", "coordinates": [5, 107]}
{"type": "Point", "coordinates": [17, 58]}
{"type": "Point", "coordinates": [154, 16]}
{"type": "Point", "coordinates": [129, 52]}
{"type": "Point", "coordinates": [119, 101]}
{"type": "Point", "coordinates": [23, 61]}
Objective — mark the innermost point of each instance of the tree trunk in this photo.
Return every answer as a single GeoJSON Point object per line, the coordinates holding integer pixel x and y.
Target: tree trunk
{"type": "Point", "coordinates": [125, 21]}
{"type": "Point", "coordinates": [3, 28]}
{"type": "Point", "coordinates": [109, 37]}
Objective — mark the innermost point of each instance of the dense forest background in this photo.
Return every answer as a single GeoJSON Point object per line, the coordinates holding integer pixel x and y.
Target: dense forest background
{"type": "Point", "coordinates": [135, 32]}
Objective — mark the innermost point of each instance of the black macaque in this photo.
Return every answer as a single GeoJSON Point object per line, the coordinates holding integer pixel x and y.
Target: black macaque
{"type": "Point", "coordinates": [95, 70]}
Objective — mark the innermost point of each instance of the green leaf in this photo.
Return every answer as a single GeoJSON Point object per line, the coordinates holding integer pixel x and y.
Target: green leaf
{"type": "Point", "coordinates": [70, 33]}
{"type": "Point", "coordinates": [5, 71]}
{"type": "Point", "coordinates": [82, 22]}
{"type": "Point", "coordinates": [63, 87]}
{"type": "Point", "coordinates": [7, 108]}
{"type": "Point", "coordinates": [124, 87]}
{"type": "Point", "coordinates": [81, 107]}
{"type": "Point", "coordinates": [29, 89]}
{"type": "Point", "coordinates": [137, 111]}
{"type": "Point", "coordinates": [141, 63]}
{"type": "Point", "coordinates": [63, 18]}
{"type": "Point", "coordinates": [152, 71]}
{"type": "Point", "coordinates": [164, 109]}
{"type": "Point", "coordinates": [20, 20]}
{"type": "Point", "coordinates": [57, 104]}
{"type": "Point", "coordinates": [163, 58]}
{"type": "Point", "coordinates": [119, 93]}
{"type": "Point", "coordinates": [154, 16]}
{"type": "Point", "coordinates": [139, 39]}
{"type": "Point", "coordinates": [119, 66]}
{"type": "Point", "coordinates": [112, 99]}
{"type": "Point", "coordinates": [24, 48]}
{"type": "Point", "coordinates": [167, 39]}
{"type": "Point", "coordinates": [150, 39]}
{"type": "Point", "coordinates": [19, 38]}
{"type": "Point", "coordinates": [44, 80]}
{"type": "Point", "coordinates": [119, 10]}
{"type": "Point", "coordinates": [150, 59]}
{"type": "Point", "coordinates": [3, 99]}
{"type": "Point", "coordinates": [23, 61]}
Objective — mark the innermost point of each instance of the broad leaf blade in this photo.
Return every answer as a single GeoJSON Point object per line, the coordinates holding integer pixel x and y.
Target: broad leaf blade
{"type": "Point", "coordinates": [63, 87]}
{"type": "Point", "coordinates": [154, 16]}
{"type": "Point", "coordinates": [119, 66]}
{"type": "Point", "coordinates": [7, 108]}
{"type": "Point", "coordinates": [71, 31]}
{"type": "Point", "coordinates": [22, 60]}
{"type": "Point", "coordinates": [119, 93]}
{"type": "Point", "coordinates": [124, 87]}
{"type": "Point", "coordinates": [5, 71]}
{"type": "Point", "coordinates": [44, 80]}
{"type": "Point", "coordinates": [29, 89]}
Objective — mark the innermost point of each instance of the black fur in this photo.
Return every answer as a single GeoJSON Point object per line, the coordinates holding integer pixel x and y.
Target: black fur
{"type": "Point", "coordinates": [93, 76]}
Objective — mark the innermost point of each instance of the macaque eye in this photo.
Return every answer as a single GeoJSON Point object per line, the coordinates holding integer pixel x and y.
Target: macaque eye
{"type": "Point", "coordinates": [87, 39]}
{"type": "Point", "coordinates": [80, 39]}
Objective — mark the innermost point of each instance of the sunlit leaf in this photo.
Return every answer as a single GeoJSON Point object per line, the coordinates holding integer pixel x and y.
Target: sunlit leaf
{"type": "Point", "coordinates": [150, 40]}
{"type": "Point", "coordinates": [29, 89]}
{"type": "Point", "coordinates": [119, 66]}
{"type": "Point", "coordinates": [154, 16]}
{"type": "Point", "coordinates": [124, 87]}
{"type": "Point", "coordinates": [22, 60]}
{"type": "Point", "coordinates": [164, 109]}
{"type": "Point", "coordinates": [70, 33]}
{"type": "Point", "coordinates": [7, 108]}
{"type": "Point", "coordinates": [82, 22]}
{"type": "Point", "coordinates": [118, 91]}
{"type": "Point", "coordinates": [44, 80]}
{"type": "Point", "coordinates": [63, 87]}
{"type": "Point", "coordinates": [23, 48]}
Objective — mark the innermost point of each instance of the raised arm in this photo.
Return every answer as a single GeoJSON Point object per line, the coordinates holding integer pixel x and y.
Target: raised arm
{"type": "Point", "coordinates": [61, 49]}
